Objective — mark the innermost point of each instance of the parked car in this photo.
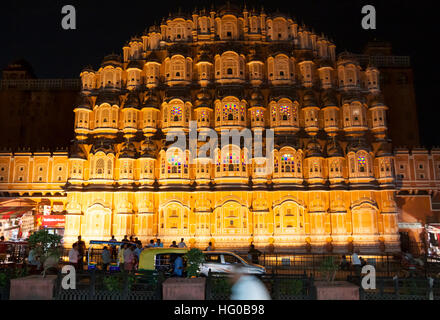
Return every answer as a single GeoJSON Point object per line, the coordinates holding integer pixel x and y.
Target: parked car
{"type": "Point", "coordinates": [218, 262]}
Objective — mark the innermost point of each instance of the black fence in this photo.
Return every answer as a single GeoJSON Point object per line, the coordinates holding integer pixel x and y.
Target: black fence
{"type": "Point", "coordinates": [97, 285]}
{"type": "Point", "coordinates": [286, 287]}
{"type": "Point", "coordinates": [395, 288]}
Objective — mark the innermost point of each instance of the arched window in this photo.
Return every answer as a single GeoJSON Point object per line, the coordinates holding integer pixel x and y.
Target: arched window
{"type": "Point", "coordinates": [174, 163]}
{"type": "Point", "coordinates": [287, 163]}
{"type": "Point", "coordinates": [285, 112]}
{"type": "Point", "coordinates": [109, 167]}
{"type": "Point", "coordinates": [176, 112]}
{"type": "Point", "coordinates": [230, 111]}
{"type": "Point", "coordinates": [362, 163]}
{"type": "Point", "coordinates": [99, 166]}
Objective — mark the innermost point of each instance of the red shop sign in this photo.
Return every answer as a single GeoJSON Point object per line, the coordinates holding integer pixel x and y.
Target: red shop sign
{"type": "Point", "coordinates": [51, 221]}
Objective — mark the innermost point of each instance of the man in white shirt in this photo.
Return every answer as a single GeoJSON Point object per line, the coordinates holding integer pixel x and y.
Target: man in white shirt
{"type": "Point", "coordinates": [74, 255]}
{"type": "Point", "coordinates": [356, 262]}
{"type": "Point", "coordinates": [181, 243]}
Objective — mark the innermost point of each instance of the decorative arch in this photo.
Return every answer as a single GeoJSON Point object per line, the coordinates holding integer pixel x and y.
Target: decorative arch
{"type": "Point", "coordinates": [97, 221]}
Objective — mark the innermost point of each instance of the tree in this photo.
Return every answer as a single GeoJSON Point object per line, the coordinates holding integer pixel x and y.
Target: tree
{"type": "Point", "coordinates": [46, 246]}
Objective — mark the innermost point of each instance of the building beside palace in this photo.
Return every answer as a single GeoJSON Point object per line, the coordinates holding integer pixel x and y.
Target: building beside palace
{"type": "Point", "coordinates": [336, 183]}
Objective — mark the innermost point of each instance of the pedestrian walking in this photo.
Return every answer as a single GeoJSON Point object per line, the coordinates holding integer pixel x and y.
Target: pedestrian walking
{"type": "Point", "coordinates": [106, 258]}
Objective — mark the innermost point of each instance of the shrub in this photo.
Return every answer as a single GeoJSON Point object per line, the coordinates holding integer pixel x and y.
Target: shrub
{"type": "Point", "coordinates": [194, 258]}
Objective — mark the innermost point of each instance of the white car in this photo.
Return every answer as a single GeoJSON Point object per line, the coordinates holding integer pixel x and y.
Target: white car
{"type": "Point", "coordinates": [224, 262]}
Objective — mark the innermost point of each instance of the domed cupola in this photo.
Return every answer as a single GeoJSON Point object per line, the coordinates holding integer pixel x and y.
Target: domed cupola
{"type": "Point", "coordinates": [384, 164]}
{"type": "Point", "coordinates": [77, 159]}
{"type": "Point", "coordinates": [134, 74]}
{"type": "Point", "coordinates": [334, 149]}
{"type": "Point", "coordinates": [102, 145]}
{"type": "Point", "coordinates": [132, 101]}
{"type": "Point", "coordinates": [314, 161]}
{"type": "Point", "coordinates": [256, 67]}
{"type": "Point", "coordinates": [112, 60]}
{"type": "Point", "coordinates": [335, 163]}
{"type": "Point", "coordinates": [82, 111]}
{"type": "Point", "coordinates": [310, 112]}
{"type": "Point", "coordinates": [150, 111]}
{"type": "Point", "coordinates": [313, 149]}
{"type": "Point", "coordinates": [360, 162]}
{"type": "Point", "coordinates": [330, 112]}
{"type": "Point", "coordinates": [229, 9]}
{"type": "Point", "coordinates": [147, 162]}
{"type": "Point", "coordinates": [204, 66]}
{"type": "Point", "coordinates": [354, 114]}
{"type": "Point", "coordinates": [107, 97]}
{"type": "Point", "coordinates": [326, 74]}
{"type": "Point", "coordinates": [257, 109]}
{"type": "Point", "coordinates": [76, 152]}
{"type": "Point", "coordinates": [176, 109]}
{"type": "Point", "coordinates": [203, 109]}
{"type": "Point", "coordinates": [152, 70]}
{"type": "Point", "coordinates": [377, 115]}
{"type": "Point", "coordinates": [128, 150]}
{"type": "Point", "coordinates": [148, 148]}
{"type": "Point", "coordinates": [130, 114]}
{"type": "Point", "coordinates": [126, 160]}
{"type": "Point", "coordinates": [83, 102]}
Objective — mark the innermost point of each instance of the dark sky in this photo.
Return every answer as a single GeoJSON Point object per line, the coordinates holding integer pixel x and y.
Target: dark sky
{"type": "Point", "coordinates": [33, 31]}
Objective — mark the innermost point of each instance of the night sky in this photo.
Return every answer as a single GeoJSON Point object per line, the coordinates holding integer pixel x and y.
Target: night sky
{"type": "Point", "coordinates": [33, 31]}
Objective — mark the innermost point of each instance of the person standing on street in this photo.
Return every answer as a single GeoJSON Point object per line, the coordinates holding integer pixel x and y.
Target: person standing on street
{"type": "Point", "coordinates": [81, 250]}
{"type": "Point", "coordinates": [254, 254]}
{"type": "Point", "coordinates": [106, 258]}
{"type": "Point", "coordinates": [74, 256]}
{"type": "Point", "coordinates": [182, 244]}
{"type": "Point", "coordinates": [356, 262]}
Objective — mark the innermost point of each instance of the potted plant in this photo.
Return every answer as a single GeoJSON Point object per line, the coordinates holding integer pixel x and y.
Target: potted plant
{"type": "Point", "coordinates": [48, 248]}
{"type": "Point", "coordinates": [190, 288]}
{"type": "Point", "coordinates": [329, 289]}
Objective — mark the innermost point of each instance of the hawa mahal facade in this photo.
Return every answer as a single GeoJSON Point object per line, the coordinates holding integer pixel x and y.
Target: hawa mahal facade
{"type": "Point", "coordinates": [332, 187]}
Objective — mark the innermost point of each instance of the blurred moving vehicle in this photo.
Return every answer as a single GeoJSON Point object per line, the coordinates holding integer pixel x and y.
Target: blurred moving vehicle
{"type": "Point", "coordinates": [218, 262]}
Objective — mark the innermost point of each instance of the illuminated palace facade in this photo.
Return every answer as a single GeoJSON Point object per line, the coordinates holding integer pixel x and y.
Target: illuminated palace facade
{"type": "Point", "coordinates": [332, 187]}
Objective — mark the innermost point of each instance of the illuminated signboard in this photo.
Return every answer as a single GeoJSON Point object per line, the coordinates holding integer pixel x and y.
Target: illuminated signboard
{"type": "Point", "coordinates": [50, 221]}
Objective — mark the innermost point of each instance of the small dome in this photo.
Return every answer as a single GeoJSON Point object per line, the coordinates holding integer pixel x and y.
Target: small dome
{"type": "Point", "coordinates": [153, 57]}
{"type": "Point", "coordinates": [132, 101]}
{"type": "Point", "coordinates": [128, 150]}
{"type": "Point", "coordinates": [107, 97]}
{"type": "Point", "coordinates": [112, 60]}
{"type": "Point", "coordinates": [329, 99]}
{"type": "Point", "coordinates": [229, 8]}
{"type": "Point", "coordinates": [76, 152]}
{"type": "Point", "coordinates": [384, 150]}
{"type": "Point", "coordinates": [357, 145]}
{"type": "Point", "coordinates": [350, 97]}
{"type": "Point", "coordinates": [135, 64]}
{"type": "Point", "coordinates": [151, 100]}
{"type": "Point", "coordinates": [148, 149]}
{"type": "Point", "coordinates": [334, 149]}
{"type": "Point", "coordinates": [203, 94]}
{"type": "Point", "coordinates": [313, 149]}
{"type": "Point", "coordinates": [256, 98]}
{"type": "Point", "coordinates": [376, 100]}
{"type": "Point", "coordinates": [83, 102]}
{"type": "Point", "coordinates": [152, 29]}
{"type": "Point", "coordinates": [103, 146]}
{"type": "Point", "coordinates": [309, 99]}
